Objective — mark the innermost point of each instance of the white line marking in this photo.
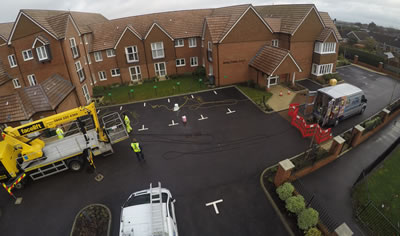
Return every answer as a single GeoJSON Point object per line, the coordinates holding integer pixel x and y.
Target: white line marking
{"type": "Point", "coordinates": [192, 96]}
{"type": "Point", "coordinates": [120, 108]}
{"type": "Point", "coordinates": [214, 203]}
{"type": "Point", "coordinates": [202, 117]}
{"type": "Point", "coordinates": [173, 123]}
{"type": "Point", "coordinates": [98, 111]}
{"type": "Point", "coordinates": [144, 104]}
{"type": "Point", "coordinates": [230, 111]}
{"type": "Point", "coordinates": [143, 128]}
{"type": "Point", "coordinates": [169, 100]}
{"type": "Point", "coordinates": [215, 92]}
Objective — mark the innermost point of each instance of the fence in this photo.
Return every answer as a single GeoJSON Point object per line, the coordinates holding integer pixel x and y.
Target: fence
{"type": "Point", "coordinates": [391, 68]}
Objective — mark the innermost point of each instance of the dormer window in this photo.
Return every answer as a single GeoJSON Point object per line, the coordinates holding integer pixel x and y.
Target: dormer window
{"type": "Point", "coordinates": [42, 53]}
{"type": "Point", "coordinates": [42, 48]}
{"type": "Point", "coordinates": [275, 43]}
{"type": "Point", "coordinates": [179, 43]}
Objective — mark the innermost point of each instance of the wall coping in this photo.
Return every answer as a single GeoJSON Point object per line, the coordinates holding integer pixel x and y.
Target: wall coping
{"type": "Point", "coordinates": [359, 128]}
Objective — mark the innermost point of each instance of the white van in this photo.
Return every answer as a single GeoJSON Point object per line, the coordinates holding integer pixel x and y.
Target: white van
{"type": "Point", "coordinates": [149, 212]}
{"type": "Point", "coordinates": [335, 103]}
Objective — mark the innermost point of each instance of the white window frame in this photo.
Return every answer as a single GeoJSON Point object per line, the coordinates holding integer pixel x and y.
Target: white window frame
{"type": "Point", "coordinates": [85, 39]}
{"type": "Point", "coordinates": [134, 54]}
{"type": "Point", "coordinates": [137, 75]}
{"type": "Point", "coordinates": [27, 55]}
{"type": "Point", "coordinates": [180, 62]}
{"type": "Point", "coordinates": [192, 42]}
{"type": "Point", "coordinates": [272, 78]}
{"type": "Point", "coordinates": [179, 43]}
{"type": "Point", "coordinates": [323, 69]}
{"type": "Point", "coordinates": [86, 93]}
{"type": "Point", "coordinates": [42, 53]}
{"type": "Point", "coordinates": [12, 60]}
{"type": "Point", "coordinates": [102, 75]}
{"type": "Point", "coordinates": [325, 48]}
{"type": "Point", "coordinates": [74, 47]}
{"type": "Point", "coordinates": [79, 71]}
{"type": "Point", "coordinates": [157, 50]}
{"type": "Point", "coordinates": [110, 52]}
{"type": "Point", "coordinates": [16, 83]}
{"type": "Point", "coordinates": [158, 70]}
{"type": "Point", "coordinates": [209, 46]}
{"type": "Point", "coordinates": [98, 56]}
{"type": "Point", "coordinates": [194, 61]}
{"type": "Point", "coordinates": [275, 43]}
{"type": "Point", "coordinates": [115, 72]}
{"type": "Point", "coordinates": [89, 59]}
{"type": "Point", "coordinates": [32, 80]}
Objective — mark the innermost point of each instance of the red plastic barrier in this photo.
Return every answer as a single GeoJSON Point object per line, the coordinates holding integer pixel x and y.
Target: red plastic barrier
{"type": "Point", "coordinates": [320, 135]}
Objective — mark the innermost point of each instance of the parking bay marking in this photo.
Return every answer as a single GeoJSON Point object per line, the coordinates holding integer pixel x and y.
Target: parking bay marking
{"type": "Point", "coordinates": [144, 104]}
{"type": "Point", "coordinates": [173, 123]}
{"type": "Point", "coordinates": [143, 128]}
{"type": "Point", "coordinates": [215, 92]}
{"type": "Point", "coordinates": [192, 96]}
{"type": "Point", "coordinates": [214, 203]}
{"type": "Point", "coordinates": [120, 108]}
{"type": "Point", "coordinates": [230, 111]}
{"type": "Point", "coordinates": [202, 117]}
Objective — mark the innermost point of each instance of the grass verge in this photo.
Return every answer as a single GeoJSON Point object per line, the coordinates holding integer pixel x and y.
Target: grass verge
{"type": "Point", "coordinates": [257, 95]}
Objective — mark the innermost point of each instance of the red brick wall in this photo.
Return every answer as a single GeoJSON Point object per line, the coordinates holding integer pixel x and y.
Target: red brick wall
{"type": "Point", "coordinates": [70, 102]}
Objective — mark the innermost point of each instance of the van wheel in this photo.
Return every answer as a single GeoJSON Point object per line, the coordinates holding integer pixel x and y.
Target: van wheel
{"type": "Point", "coordinates": [75, 165]}
{"type": "Point", "coordinates": [336, 123]}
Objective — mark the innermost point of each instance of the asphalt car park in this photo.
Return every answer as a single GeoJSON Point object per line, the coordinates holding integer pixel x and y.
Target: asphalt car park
{"type": "Point", "coordinates": [218, 155]}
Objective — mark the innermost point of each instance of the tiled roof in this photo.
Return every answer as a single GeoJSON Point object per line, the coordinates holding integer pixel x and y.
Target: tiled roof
{"type": "Point", "coordinates": [268, 58]}
{"type": "Point", "coordinates": [55, 21]}
{"type": "Point", "coordinates": [291, 15]}
{"type": "Point", "coordinates": [361, 35]}
{"type": "Point", "coordinates": [325, 34]}
{"type": "Point", "coordinates": [5, 29]}
{"type": "Point", "coordinates": [30, 100]}
{"type": "Point", "coordinates": [386, 39]}
{"type": "Point", "coordinates": [275, 23]}
{"type": "Point", "coordinates": [216, 26]}
{"type": "Point", "coordinates": [329, 23]}
{"type": "Point", "coordinates": [4, 77]}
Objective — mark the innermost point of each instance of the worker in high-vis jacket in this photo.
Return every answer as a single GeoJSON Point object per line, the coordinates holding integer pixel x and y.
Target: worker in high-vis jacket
{"type": "Point", "coordinates": [127, 124]}
{"type": "Point", "coordinates": [137, 149]}
{"type": "Point", "coordinates": [60, 133]}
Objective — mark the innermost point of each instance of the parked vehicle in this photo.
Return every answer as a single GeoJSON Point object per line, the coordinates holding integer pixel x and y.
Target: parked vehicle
{"type": "Point", "coordinates": [335, 103]}
{"type": "Point", "coordinates": [149, 212]}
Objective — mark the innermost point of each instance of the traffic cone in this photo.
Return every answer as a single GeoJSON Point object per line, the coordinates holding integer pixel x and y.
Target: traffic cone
{"type": "Point", "coordinates": [288, 92]}
{"type": "Point", "coordinates": [280, 93]}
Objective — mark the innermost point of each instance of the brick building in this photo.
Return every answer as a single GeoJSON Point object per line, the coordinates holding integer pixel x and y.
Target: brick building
{"type": "Point", "coordinates": [267, 44]}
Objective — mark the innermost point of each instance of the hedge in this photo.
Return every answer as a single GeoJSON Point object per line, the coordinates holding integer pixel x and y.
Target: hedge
{"type": "Point", "coordinates": [363, 56]}
{"type": "Point", "coordinates": [285, 191]}
{"type": "Point", "coordinates": [295, 204]}
{"type": "Point", "coordinates": [308, 218]}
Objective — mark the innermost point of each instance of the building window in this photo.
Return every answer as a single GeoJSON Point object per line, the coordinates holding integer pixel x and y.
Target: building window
{"type": "Point", "coordinates": [115, 72]}
{"type": "Point", "coordinates": [194, 61]}
{"type": "Point", "coordinates": [88, 59]}
{"type": "Point", "coordinates": [27, 54]}
{"type": "Point", "coordinates": [79, 71]}
{"type": "Point", "coordinates": [131, 54]}
{"type": "Point", "coordinates": [32, 80]}
{"type": "Point", "coordinates": [179, 43]}
{"type": "Point", "coordinates": [97, 56]}
{"type": "Point", "coordinates": [321, 69]}
{"type": "Point", "coordinates": [110, 53]}
{"type": "Point", "coordinates": [275, 43]}
{"type": "Point", "coordinates": [86, 93]}
{"type": "Point", "coordinates": [192, 42]}
{"type": "Point", "coordinates": [74, 48]}
{"type": "Point", "coordinates": [157, 50]}
{"type": "Point", "coordinates": [325, 48]}
{"type": "Point", "coordinates": [16, 83]}
{"type": "Point", "coordinates": [42, 53]}
{"type": "Point", "coordinates": [85, 39]}
{"type": "Point", "coordinates": [102, 75]}
{"type": "Point", "coordinates": [209, 46]}
{"type": "Point", "coordinates": [180, 62]}
{"type": "Point", "coordinates": [160, 69]}
{"type": "Point", "coordinates": [12, 61]}
{"type": "Point", "coordinates": [135, 73]}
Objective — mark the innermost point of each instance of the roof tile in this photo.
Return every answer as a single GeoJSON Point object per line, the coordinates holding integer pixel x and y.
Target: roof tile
{"type": "Point", "coordinates": [268, 58]}
{"type": "Point", "coordinates": [329, 23]}
{"type": "Point", "coordinates": [5, 29]}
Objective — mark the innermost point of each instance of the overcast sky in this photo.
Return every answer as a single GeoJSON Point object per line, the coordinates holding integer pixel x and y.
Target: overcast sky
{"type": "Point", "coordinates": [382, 12]}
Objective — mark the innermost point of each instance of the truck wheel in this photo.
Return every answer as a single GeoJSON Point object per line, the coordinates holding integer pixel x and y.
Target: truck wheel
{"type": "Point", "coordinates": [75, 165]}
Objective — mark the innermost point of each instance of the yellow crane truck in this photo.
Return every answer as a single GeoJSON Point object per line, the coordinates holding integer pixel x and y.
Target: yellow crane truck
{"type": "Point", "coordinates": [30, 150]}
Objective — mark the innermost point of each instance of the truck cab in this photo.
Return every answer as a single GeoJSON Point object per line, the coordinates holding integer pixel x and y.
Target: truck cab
{"type": "Point", "coordinates": [149, 212]}
{"type": "Point", "coordinates": [335, 103]}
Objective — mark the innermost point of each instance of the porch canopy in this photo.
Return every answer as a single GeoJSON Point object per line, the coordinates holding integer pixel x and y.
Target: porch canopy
{"type": "Point", "coordinates": [274, 61]}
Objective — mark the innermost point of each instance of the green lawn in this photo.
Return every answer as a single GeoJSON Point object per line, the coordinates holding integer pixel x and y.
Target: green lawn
{"type": "Point", "coordinates": [255, 94]}
{"type": "Point", "coordinates": [122, 94]}
{"type": "Point", "coordinates": [383, 187]}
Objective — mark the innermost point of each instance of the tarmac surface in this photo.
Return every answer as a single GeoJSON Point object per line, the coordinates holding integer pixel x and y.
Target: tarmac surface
{"type": "Point", "coordinates": [220, 157]}
{"type": "Point", "coordinates": [309, 84]}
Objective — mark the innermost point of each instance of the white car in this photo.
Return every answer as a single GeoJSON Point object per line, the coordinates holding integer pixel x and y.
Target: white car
{"type": "Point", "coordinates": [143, 214]}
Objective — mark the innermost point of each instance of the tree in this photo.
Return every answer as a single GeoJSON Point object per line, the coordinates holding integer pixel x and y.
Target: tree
{"type": "Point", "coordinates": [352, 40]}
{"type": "Point", "coordinates": [285, 191]}
{"type": "Point", "coordinates": [307, 218]}
{"type": "Point", "coordinates": [313, 232]}
{"type": "Point", "coordinates": [370, 44]}
{"type": "Point", "coordinates": [371, 26]}
{"type": "Point", "coordinates": [295, 204]}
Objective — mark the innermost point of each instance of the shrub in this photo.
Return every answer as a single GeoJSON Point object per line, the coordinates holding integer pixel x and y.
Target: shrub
{"type": "Point", "coordinates": [98, 91]}
{"type": "Point", "coordinates": [251, 83]}
{"type": "Point", "coordinates": [372, 124]}
{"type": "Point", "coordinates": [307, 218]}
{"type": "Point", "coordinates": [199, 72]}
{"type": "Point", "coordinates": [313, 232]}
{"type": "Point", "coordinates": [285, 191]}
{"type": "Point", "coordinates": [328, 77]}
{"type": "Point", "coordinates": [363, 56]}
{"type": "Point", "coordinates": [295, 204]}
